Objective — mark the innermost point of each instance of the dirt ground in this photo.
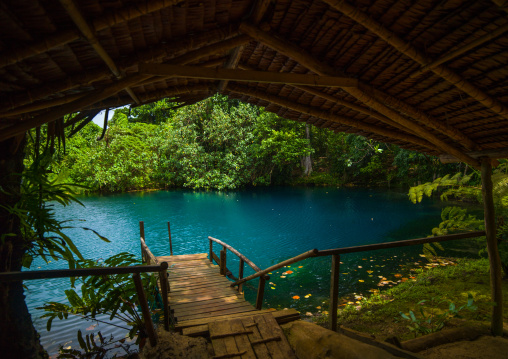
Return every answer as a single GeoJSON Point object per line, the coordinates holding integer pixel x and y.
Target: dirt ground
{"type": "Point", "coordinates": [485, 347]}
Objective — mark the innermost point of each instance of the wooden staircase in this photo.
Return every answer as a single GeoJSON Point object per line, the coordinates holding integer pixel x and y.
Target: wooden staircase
{"type": "Point", "coordinates": [199, 295]}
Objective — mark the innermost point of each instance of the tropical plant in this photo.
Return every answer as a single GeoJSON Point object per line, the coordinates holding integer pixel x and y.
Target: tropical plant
{"type": "Point", "coordinates": [433, 320]}
{"type": "Point", "coordinates": [105, 298]}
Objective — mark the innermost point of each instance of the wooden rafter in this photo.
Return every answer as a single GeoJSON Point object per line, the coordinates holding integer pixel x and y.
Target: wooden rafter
{"type": "Point", "coordinates": [326, 115]}
{"type": "Point", "coordinates": [231, 63]}
{"type": "Point", "coordinates": [87, 32]}
{"type": "Point", "coordinates": [461, 50]}
{"type": "Point", "coordinates": [494, 154]}
{"type": "Point", "coordinates": [311, 63]}
{"type": "Point", "coordinates": [153, 53]}
{"type": "Point", "coordinates": [98, 95]}
{"type": "Point", "coordinates": [245, 75]}
{"type": "Point", "coordinates": [411, 51]}
{"type": "Point", "coordinates": [61, 38]}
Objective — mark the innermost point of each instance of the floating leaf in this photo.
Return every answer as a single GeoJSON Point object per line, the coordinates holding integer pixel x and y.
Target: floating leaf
{"type": "Point", "coordinates": [370, 271]}
{"type": "Point", "coordinates": [360, 267]}
{"type": "Point", "coordinates": [283, 276]}
{"type": "Point", "coordinates": [361, 280]}
{"type": "Point", "coordinates": [397, 275]}
{"type": "Point", "coordinates": [404, 279]}
{"type": "Point", "coordinates": [300, 267]}
{"type": "Point", "coordinates": [318, 307]}
{"type": "Point", "coordinates": [325, 312]}
{"type": "Point", "coordinates": [289, 272]}
{"type": "Point", "coordinates": [272, 287]}
{"type": "Point", "coordinates": [296, 297]}
{"type": "Point", "coordinates": [309, 314]}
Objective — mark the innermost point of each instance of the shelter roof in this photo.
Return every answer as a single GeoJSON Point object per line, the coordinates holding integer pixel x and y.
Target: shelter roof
{"type": "Point", "coordinates": [430, 76]}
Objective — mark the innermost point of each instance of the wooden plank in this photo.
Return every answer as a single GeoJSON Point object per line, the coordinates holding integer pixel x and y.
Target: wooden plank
{"type": "Point", "coordinates": [217, 301]}
{"type": "Point", "coordinates": [200, 298]}
{"type": "Point", "coordinates": [265, 331]}
{"type": "Point", "coordinates": [197, 331]}
{"type": "Point", "coordinates": [199, 281]}
{"type": "Point", "coordinates": [276, 331]}
{"type": "Point", "coordinates": [213, 308]}
{"type": "Point", "coordinates": [190, 323]}
{"type": "Point", "coordinates": [200, 292]}
{"type": "Point", "coordinates": [260, 350]}
{"type": "Point", "coordinates": [242, 341]}
{"type": "Point", "coordinates": [184, 257]}
{"type": "Point", "coordinates": [228, 343]}
{"type": "Point", "coordinates": [210, 314]}
{"type": "Point", "coordinates": [216, 285]}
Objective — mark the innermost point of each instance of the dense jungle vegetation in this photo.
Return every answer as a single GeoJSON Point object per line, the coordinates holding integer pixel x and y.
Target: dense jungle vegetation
{"type": "Point", "coordinates": [222, 144]}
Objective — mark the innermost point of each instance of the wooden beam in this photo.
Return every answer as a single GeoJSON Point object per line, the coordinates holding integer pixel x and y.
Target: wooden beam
{"type": "Point", "coordinates": [492, 248]}
{"type": "Point", "coordinates": [420, 57]}
{"type": "Point", "coordinates": [495, 153]}
{"type": "Point", "coordinates": [247, 76]}
{"type": "Point", "coordinates": [60, 38]}
{"type": "Point", "coordinates": [325, 115]}
{"type": "Point", "coordinates": [232, 63]}
{"type": "Point", "coordinates": [89, 35]}
{"type": "Point", "coordinates": [451, 55]}
{"type": "Point", "coordinates": [311, 63]}
{"type": "Point", "coordinates": [114, 88]}
{"type": "Point", "coordinates": [150, 54]}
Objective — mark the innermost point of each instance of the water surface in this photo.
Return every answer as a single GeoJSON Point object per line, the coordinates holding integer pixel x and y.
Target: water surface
{"type": "Point", "coordinates": [266, 225]}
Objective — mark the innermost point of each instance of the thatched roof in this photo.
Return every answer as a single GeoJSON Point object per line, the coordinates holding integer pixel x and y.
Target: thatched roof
{"type": "Point", "coordinates": [431, 76]}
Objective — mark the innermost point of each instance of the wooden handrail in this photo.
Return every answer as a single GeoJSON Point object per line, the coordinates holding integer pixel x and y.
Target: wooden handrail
{"type": "Point", "coordinates": [300, 257]}
{"type": "Point", "coordinates": [238, 254]}
{"type": "Point", "coordinates": [79, 272]}
{"type": "Point", "coordinates": [404, 243]}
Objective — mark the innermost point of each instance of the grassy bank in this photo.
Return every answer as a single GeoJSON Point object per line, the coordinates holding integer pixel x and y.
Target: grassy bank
{"type": "Point", "coordinates": [380, 316]}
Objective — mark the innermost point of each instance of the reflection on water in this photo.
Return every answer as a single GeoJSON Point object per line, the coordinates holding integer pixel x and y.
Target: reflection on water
{"type": "Point", "coordinates": [266, 225]}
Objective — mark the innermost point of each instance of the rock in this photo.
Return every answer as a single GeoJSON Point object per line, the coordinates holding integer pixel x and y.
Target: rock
{"type": "Point", "coordinates": [310, 341]}
{"type": "Point", "coordinates": [174, 345]}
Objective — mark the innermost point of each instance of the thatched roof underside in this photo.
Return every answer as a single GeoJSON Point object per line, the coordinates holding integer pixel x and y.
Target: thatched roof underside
{"type": "Point", "coordinates": [430, 76]}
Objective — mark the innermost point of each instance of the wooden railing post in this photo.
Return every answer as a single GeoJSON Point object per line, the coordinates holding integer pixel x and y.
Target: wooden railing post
{"type": "Point", "coordinates": [334, 291]}
{"type": "Point", "coordinates": [142, 236]}
{"type": "Point", "coordinates": [163, 278]}
{"type": "Point", "coordinates": [211, 250]}
{"type": "Point", "coordinates": [170, 242]}
{"type": "Point", "coordinates": [240, 274]}
{"type": "Point", "coordinates": [261, 291]}
{"type": "Point", "coordinates": [145, 310]}
{"type": "Point", "coordinates": [223, 261]}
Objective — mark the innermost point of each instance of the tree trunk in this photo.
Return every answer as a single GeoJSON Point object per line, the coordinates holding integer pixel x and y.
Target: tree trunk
{"type": "Point", "coordinates": [18, 337]}
{"type": "Point", "coordinates": [307, 161]}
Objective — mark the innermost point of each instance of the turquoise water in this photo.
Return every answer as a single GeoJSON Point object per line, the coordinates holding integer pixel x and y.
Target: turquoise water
{"type": "Point", "coordinates": [266, 225]}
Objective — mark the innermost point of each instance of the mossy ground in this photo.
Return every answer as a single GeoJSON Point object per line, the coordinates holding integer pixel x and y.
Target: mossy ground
{"type": "Point", "coordinates": [379, 314]}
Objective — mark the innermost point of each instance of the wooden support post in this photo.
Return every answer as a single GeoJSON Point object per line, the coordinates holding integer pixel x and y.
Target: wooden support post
{"type": "Point", "coordinates": [163, 278]}
{"type": "Point", "coordinates": [334, 291]}
{"type": "Point", "coordinates": [222, 263]}
{"type": "Point", "coordinates": [211, 250]}
{"type": "Point", "coordinates": [261, 292]}
{"type": "Point", "coordinates": [170, 242]}
{"type": "Point", "coordinates": [240, 274]}
{"type": "Point", "coordinates": [145, 310]}
{"type": "Point", "coordinates": [142, 236]}
{"type": "Point", "coordinates": [494, 258]}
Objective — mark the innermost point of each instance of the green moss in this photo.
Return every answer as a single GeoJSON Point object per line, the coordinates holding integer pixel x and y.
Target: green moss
{"type": "Point", "coordinates": [380, 314]}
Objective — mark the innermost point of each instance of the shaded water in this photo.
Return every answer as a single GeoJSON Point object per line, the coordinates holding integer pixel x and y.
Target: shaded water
{"type": "Point", "coordinates": [266, 225]}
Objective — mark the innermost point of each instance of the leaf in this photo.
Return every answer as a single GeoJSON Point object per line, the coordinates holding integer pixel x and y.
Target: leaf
{"type": "Point", "coordinates": [82, 343]}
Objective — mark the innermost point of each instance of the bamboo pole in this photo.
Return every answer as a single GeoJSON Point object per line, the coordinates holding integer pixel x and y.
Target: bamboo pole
{"type": "Point", "coordinates": [114, 88]}
{"type": "Point", "coordinates": [199, 72]}
{"type": "Point", "coordinates": [223, 261]}
{"type": "Point", "coordinates": [87, 32]}
{"type": "Point", "coordinates": [334, 291]}
{"type": "Point", "coordinates": [240, 274]}
{"type": "Point", "coordinates": [311, 63]}
{"type": "Point", "coordinates": [170, 242]}
{"type": "Point", "coordinates": [317, 112]}
{"type": "Point", "coordinates": [412, 52]}
{"type": "Point", "coordinates": [147, 317]}
{"type": "Point", "coordinates": [492, 248]}
{"type": "Point", "coordinates": [261, 293]}
{"type": "Point", "coordinates": [12, 56]}
{"type": "Point", "coordinates": [142, 238]}
{"type": "Point", "coordinates": [163, 279]}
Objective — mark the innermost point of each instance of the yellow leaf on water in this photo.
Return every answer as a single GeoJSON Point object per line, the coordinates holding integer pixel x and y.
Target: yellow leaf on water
{"type": "Point", "coordinates": [318, 307]}
{"type": "Point", "coordinates": [397, 275]}
{"type": "Point", "coordinates": [272, 287]}
{"type": "Point", "coordinates": [370, 271]}
{"type": "Point", "coordinates": [361, 280]}
{"type": "Point", "coordinates": [300, 267]}
{"type": "Point", "coordinates": [283, 276]}
{"type": "Point", "coordinates": [296, 297]}
{"type": "Point", "coordinates": [360, 267]}
{"type": "Point", "coordinates": [324, 312]}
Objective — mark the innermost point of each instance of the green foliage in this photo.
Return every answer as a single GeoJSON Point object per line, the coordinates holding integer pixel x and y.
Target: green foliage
{"type": "Point", "coordinates": [96, 347]}
{"type": "Point", "coordinates": [114, 296]}
{"type": "Point", "coordinates": [416, 193]}
{"type": "Point", "coordinates": [433, 320]}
